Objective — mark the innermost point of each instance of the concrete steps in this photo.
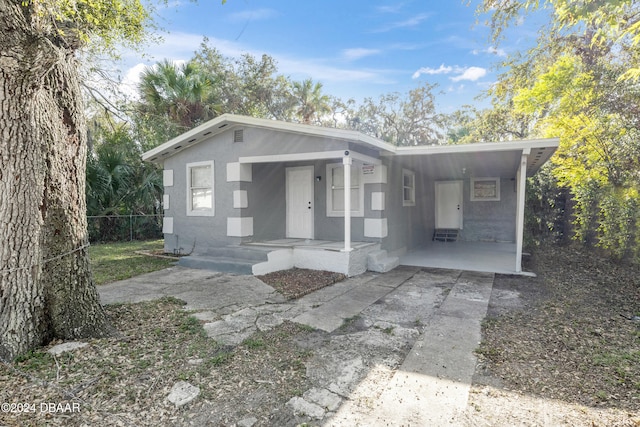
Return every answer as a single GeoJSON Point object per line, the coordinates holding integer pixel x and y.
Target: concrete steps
{"type": "Point", "coordinates": [445, 235]}
{"type": "Point", "coordinates": [226, 259]}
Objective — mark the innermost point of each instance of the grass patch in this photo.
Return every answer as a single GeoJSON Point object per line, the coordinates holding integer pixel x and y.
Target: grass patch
{"type": "Point", "coordinates": [117, 261]}
{"type": "Point", "coordinates": [254, 343]}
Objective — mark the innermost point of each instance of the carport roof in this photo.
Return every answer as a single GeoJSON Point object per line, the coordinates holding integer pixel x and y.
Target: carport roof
{"type": "Point", "coordinates": [499, 154]}
{"type": "Point", "coordinates": [481, 159]}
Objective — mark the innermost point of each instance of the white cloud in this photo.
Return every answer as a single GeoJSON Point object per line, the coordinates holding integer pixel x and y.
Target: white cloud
{"type": "Point", "coordinates": [492, 50]}
{"type": "Point", "coordinates": [390, 8]}
{"type": "Point", "coordinates": [497, 51]}
{"type": "Point", "coordinates": [471, 74]}
{"type": "Point", "coordinates": [358, 53]}
{"type": "Point", "coordinates": [407, 23]}
{"type": "Point", "coordinates": [431, 71]}
{"type": "Point", "coordinates": [131, 80]}
{"type": "Point", "coordinates": [463, 73]}
{"type": "Point", "coordinates": [252, 15]}
{"type": "Point", "coordinates": [316, 69]}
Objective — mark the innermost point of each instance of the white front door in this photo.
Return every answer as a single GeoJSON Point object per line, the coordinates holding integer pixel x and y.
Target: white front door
{"type": "Point", "coordinates": [449, 204]}
{"type": "Point", "coordinates": [300, 201]}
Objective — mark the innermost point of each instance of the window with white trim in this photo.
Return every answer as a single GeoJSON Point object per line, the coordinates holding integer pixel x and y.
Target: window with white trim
{"type": "Point", "coordinates": [200, 191]}
{"type": "Point", "coordinates": [408, 188]}
{"type": "Point", "coordinates": [485, 190]}
{"type": "Point", "coordinates": [335, 190]}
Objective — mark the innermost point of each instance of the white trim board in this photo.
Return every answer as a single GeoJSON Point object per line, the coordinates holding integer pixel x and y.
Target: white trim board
{"type": "Point", "coordinates": [316, 155]}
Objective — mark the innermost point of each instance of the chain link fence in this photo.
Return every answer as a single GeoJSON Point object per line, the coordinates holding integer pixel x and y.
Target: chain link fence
{"type": "Point", "coordinates": [111, 228]}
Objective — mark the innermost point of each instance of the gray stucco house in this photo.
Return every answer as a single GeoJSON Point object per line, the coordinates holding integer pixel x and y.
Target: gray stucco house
{"type": "Point", "coordinates": [254, 195]}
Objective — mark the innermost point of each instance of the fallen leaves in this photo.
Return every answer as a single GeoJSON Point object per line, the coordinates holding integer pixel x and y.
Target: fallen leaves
{"type": "Point", "coordinates": [570, 344]}
{"type": "Point", "coordinates": [297, 282]}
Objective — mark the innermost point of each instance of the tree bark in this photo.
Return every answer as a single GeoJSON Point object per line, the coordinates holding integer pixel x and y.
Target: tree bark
{"type": "Point", "coordinates": [46, 287]}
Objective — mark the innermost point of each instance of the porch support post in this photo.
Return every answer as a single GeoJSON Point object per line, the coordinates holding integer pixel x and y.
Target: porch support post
{"type": "Point", "coordinates": [347, 161]}
{"type": "Point", "coordinates": [521, 182]}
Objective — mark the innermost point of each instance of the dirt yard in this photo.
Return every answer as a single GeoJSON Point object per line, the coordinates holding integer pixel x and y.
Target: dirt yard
{"type": "Point", "coordinates": [559, 349]}
{"type": "Point", "coordinates": [562, 348]}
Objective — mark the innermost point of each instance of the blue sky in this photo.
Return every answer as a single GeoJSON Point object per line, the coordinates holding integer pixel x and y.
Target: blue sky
{"type": "Point", "coordinates": [355, 48]}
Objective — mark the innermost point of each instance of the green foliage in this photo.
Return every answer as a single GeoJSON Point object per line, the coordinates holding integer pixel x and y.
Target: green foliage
{"type": "Point", "coordinates": [100, 24]}
{"type": "Point", "coordinates": [118, 183]}
{"type": "Point", "coordinates": [175, 98]}
{"type": "Point", "coordinates": [310, 102]}
{"type": "Point", "coordinates": [400, 119]}
{"type": "Point", "coordinates": [619, 221]}
{"type": "Point", "coordinates": [181, 95]}
{"type": "Point", "coordinates": [499, 123]}
{"type": "Point", "coordinates": [575, 84]}
{"type": "Point", "coordinates": [592, 159]}
{"type": "Point", "coordinates": [604, 22]}
{"type": "Point", "coordinates": [546, 203]}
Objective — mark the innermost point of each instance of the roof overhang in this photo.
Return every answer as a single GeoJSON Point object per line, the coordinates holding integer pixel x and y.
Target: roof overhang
{"type": "Point", "coordinates": [499, 154]}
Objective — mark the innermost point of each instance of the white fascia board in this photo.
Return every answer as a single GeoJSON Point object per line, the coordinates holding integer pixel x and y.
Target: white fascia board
{"type": "Point", "coordinates": [210, 128]}
{"type": "Point", "coordinates": [477, 147]}
{"type": "Point", "coordinates": [316, 155]}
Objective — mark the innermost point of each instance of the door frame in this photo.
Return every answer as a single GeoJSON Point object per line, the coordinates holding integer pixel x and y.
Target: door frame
{"type": "Point", "coordinates": [310, 182]}
{"type": "Point", "coordinates": [460, 184]}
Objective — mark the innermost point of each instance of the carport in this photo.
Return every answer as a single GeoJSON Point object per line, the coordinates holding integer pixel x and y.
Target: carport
{"type": "Point", "coordinates": [478, 192]}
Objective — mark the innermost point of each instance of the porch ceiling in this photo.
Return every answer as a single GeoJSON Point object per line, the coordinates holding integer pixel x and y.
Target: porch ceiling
{"type": "Point", "coordinates": [492, 159]}
{"type": "Point", "coordinates": [502, 164]}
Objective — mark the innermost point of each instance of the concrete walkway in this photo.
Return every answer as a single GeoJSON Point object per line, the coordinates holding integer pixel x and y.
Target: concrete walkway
{"type": "Point", "coordinates": [332, 313]}
{"type": "Point", "coordinates": [431, 387]}
{"type": "Point", "coordinates": [436, 314]}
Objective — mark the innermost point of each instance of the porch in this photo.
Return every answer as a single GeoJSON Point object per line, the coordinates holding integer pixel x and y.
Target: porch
{"type": "Point", "coordinates": [283, 254]}
{"type": "Point", "coordinates": [491, 257]}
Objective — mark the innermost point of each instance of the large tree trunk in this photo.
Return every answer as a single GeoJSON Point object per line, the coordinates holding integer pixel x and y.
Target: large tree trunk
{"type": "Point", "coordinates": [46, 288]}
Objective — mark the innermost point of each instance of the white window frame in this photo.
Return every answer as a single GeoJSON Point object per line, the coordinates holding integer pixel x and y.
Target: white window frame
{"type": "Point", "coordinates": [477, 197]}
{"type": "Point", "coordinates": [200, 212]}
{"type": "Point", "coordinates": [412, 200]}
{"type": "Point", "coordinates": [360, 188]}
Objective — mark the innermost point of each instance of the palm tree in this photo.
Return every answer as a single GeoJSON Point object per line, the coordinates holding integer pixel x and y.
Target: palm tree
{"type": "Point", "coordinates": [182, 93]}
{"type": "Point", "coordinates": [311, 102]}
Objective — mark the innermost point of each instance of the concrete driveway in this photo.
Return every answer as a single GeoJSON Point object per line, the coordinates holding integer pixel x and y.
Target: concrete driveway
{"type": "Point", "coordinates": [405, 355]}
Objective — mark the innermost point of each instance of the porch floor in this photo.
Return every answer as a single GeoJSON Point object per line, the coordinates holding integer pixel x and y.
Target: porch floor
{"type": "Point", "coordinates": [471, 256]}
